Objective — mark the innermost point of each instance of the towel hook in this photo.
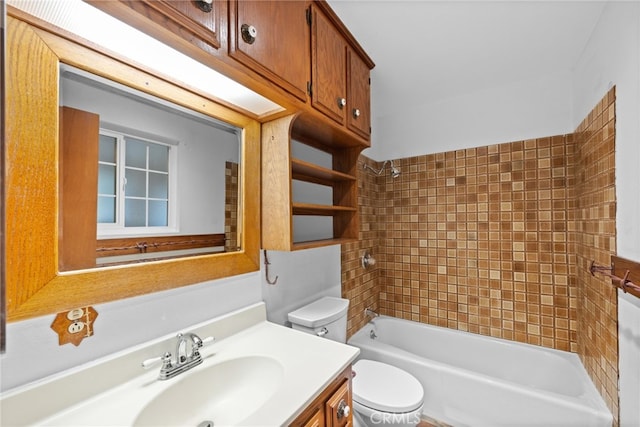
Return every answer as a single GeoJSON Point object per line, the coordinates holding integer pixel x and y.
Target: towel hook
{"type": "Point", "coordinates": [266, 269]}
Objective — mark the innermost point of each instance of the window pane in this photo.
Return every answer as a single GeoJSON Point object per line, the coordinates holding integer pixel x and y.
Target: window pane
{"type": "Point", "coordinates": [158, 185]}
{"type": "Point", "coordinates": [106, 210]}
{"type": "Point", "coordinates": [136, 155]}
{"type": "Point", "coordinates": [157, 213]}
{"type": "Point", "coordinates": [107, 149]}
{"type": "Point", "coordinates": [159, 157]}
{"type": "Point", "coordinates": [135, 212]}
{"type": "Point", "coordinates": [106, 179]}
{"type": "Point", "coordinates": [136, 183]}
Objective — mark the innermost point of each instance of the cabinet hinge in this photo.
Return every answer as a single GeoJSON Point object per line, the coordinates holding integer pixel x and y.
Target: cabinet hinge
{"type": "Point", "coordinates": [369, 81]}
{"type": "Point", "coordinates": [309, 15]}
{"type": "Point", "coordinates": [309, 89]}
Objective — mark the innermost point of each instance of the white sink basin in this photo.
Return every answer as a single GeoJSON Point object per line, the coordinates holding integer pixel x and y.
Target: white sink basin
{"type": "Point", "coordinates": [222, 394]}
{"type": "Point", "coordinates": [256, 374]}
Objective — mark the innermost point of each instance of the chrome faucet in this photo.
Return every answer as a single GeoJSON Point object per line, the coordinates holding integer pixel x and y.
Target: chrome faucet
{"type": "Point", "coordinates": [187, 356]}
{"type": "Point", "coordinates": [370, 313]}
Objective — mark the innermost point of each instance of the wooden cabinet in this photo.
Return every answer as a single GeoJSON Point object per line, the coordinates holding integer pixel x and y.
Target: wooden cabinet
{"type": "Point", "coordinates": [272, 38]}
{"type": "Point", "coordinates": [329, 80]}
{"type": "Point", "coordinates": [340, 75]}
{"type": "Point", "coordinates": [332, 408]}
{"type": "Point", "coordinates": [284, 217]}
{"type": "Point", "coordinates": [183, 24]}
{"type": "Point", "coordinates": [358, 95]}
{"type": "Point", "coordinates": [299, 54]}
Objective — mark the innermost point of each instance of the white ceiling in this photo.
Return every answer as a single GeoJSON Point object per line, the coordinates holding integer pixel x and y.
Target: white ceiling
{"type": "Point", "coordinates": [426, 51]}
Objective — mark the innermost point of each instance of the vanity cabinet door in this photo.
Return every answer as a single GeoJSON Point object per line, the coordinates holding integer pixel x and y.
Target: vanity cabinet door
{"type": "Point", "coordinates": [316, 420]}
{"type": "Point", "coordinates": [328, 409]}
{"type": "Point", "coordinates": [272, 38]}
{"type": "Point", "coordinates": [338, 407]}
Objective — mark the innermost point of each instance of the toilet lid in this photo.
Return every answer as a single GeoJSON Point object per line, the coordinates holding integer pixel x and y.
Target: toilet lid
{"type": "Point", "coordinates": [386, 388]}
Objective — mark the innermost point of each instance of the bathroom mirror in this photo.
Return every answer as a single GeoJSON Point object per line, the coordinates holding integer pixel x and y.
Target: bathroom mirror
{"type": "Point", "coordinates": [141, 178]}
{"type": "Point", "coordinates": [35, 238]}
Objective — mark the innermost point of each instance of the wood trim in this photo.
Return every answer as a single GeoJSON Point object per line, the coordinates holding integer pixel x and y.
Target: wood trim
{"type": "Point", "coordinates": [34, 285]}
{"type": "Point", "coordinates": [151, 244]}
{"type": "Point", "coordinates": [621, 266]}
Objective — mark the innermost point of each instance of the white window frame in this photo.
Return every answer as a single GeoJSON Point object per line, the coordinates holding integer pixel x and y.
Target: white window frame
{"type": "Point", "coordinates": [118, 229]}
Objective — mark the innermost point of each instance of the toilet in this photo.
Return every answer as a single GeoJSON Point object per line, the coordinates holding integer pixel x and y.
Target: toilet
{"type": "Point", "coordinates": [382, 394]}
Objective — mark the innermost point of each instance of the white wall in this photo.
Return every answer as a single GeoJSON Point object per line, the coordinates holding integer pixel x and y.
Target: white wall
{"type": "Point", "coordinates": [303, 276]}
{"type": "Point", "coordinates": [513, 112]}
{"type": "Point", "coordinates": [33, 352]}
{"type": "Point", "coordinates": [202, 150]}
{"type": "Point", "coordinates": [32, 346]}
{"type": "Point", "coordinates": [612, 57]}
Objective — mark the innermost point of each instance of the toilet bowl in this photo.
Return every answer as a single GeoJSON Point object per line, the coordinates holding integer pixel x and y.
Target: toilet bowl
{"type": "Point", "coordinates": [385, 395]}
{"type": "Point", "coordinates": [382, 394]}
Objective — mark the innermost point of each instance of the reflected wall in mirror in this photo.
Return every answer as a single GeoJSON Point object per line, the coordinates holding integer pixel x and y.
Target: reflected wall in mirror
{"type": "Point", "coordinates": [141, 178]}
{"type": "Point", "coordinates": [34, 283]}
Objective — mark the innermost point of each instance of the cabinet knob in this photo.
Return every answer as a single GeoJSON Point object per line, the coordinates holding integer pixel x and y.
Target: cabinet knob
{"type": "Point", "coordinates": [343, 409]}
{"type": "Point", "coordinates": [342, 102]}
{"type": "Point", "coordinates": [249, 33]}
{"type": "Point", "coordinates": [356, 113]}
{"type": "Point", "coordinates": [204, 5]}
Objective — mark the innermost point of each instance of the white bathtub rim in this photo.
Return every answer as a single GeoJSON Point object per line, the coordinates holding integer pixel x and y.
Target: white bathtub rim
{"type": "Point", "coordinates": [589, 400]}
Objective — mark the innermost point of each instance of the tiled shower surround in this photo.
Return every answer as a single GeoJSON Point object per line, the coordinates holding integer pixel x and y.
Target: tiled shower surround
{"type": "Point", "coordinates": [497, 240]}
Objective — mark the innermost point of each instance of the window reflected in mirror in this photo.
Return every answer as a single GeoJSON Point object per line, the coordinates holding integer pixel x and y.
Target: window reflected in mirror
{"type": "Point", "coordinates": [142, 178]}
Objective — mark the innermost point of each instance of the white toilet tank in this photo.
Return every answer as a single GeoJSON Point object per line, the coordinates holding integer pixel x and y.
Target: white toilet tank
{"type": "Point", "coordinates": [326, 317]}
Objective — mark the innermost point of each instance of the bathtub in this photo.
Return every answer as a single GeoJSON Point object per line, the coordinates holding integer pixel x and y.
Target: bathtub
{"type": "Point", "coordinates": [473, 380]}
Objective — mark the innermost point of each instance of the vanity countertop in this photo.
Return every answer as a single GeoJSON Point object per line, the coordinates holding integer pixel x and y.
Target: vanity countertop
{"type": "Point", "coordinates": [114, 391]}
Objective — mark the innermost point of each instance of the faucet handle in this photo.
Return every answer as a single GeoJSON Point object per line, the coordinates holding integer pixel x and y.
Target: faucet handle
{"type": "Point", "coordinates": [199, 343]}
{"type": "Point", "coordinates": [207, 341]}
{"type": "Point", "coordinates": [165, 359]}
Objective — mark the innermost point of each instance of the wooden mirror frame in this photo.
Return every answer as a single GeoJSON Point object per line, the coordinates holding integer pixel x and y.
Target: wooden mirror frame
{"type": "Point", "coordinates": [34, 286]}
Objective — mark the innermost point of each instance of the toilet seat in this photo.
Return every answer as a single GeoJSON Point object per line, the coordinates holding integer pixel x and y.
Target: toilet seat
{"type": "Point", "coordinates": [385, 388]}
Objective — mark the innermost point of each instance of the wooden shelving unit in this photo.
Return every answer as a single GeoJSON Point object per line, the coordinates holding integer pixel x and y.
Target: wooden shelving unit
{"type": "Point", "coordinates": [280, 169]}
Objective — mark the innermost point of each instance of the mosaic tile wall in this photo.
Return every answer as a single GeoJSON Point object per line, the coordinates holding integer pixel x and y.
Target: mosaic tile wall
{"type": "Point", "coordinates": [496, 240]}
{"type": "Point", "coordinates": [595, 219]}
{"type": "Point", "coordinates": [360, 285]}
{"type": "Point", "coordinates": [476, 240]}
{"type": "Point", "coordinates": [231, 181]}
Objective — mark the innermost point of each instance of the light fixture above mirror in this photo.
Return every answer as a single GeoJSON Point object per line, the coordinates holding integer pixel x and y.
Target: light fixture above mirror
{"type": "Point", "coordinates": [84, 20]}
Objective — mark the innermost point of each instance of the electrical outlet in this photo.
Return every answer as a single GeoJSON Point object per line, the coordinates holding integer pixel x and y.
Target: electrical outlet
{"type": "Point", "coordinates": [75, 314]}
{"type": "Point", "coordinates": [74, 325]}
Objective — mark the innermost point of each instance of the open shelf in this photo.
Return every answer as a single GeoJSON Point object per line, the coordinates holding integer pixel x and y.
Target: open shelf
{"type": "Point", "coordinates": [320, 210]}
{"type": "Point", "coordinates": [289, 224]}
{"type": "Point", "coordinates": [309, 172]}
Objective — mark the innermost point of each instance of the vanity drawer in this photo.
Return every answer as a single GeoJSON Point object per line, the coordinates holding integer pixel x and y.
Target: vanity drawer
{"type": "Point", "coordinates": [328, 408]}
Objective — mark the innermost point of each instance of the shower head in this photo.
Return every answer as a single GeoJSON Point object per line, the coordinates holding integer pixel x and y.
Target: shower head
{"type": "Point", "coordinates": [395, 172]}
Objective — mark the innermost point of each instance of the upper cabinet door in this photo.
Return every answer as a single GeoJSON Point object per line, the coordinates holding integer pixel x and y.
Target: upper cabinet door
{"type": "Point", "coordinates": [328, 75]}
{"type": "Point", "coordinates": [359, 96]}
{"type": "Point", "coordinates": [197, 22]}
{"type": "Point", "coordinates": [272, 38]}
{"type": "Point", "coordinates": [198, 17]}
